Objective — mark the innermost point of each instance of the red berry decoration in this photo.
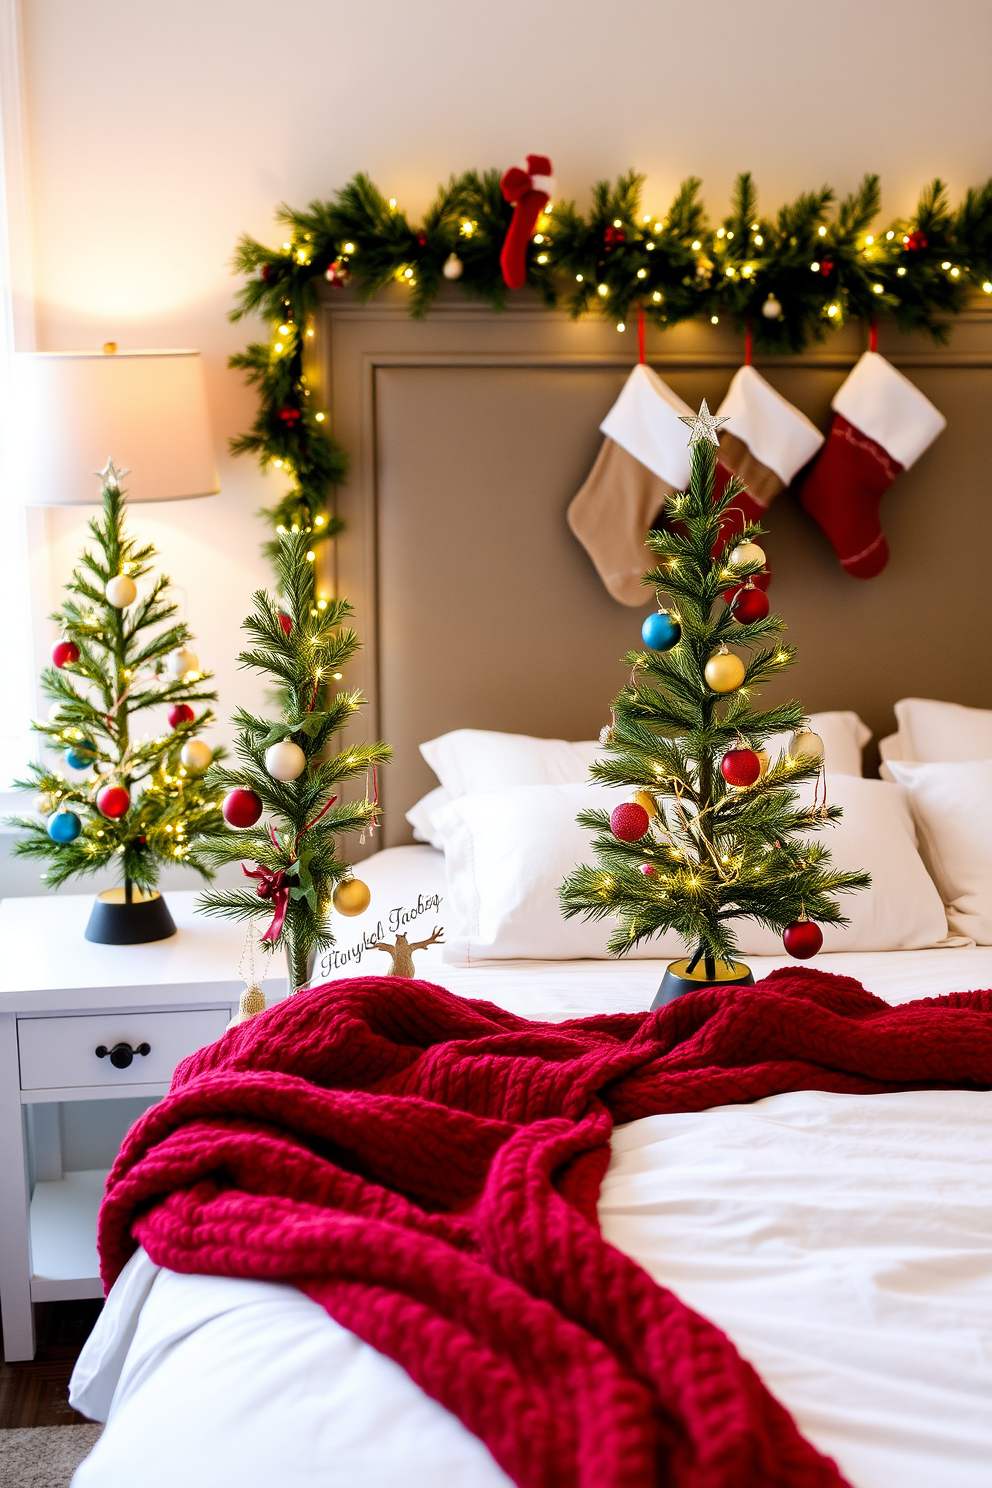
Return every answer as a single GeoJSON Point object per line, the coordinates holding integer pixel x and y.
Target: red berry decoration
{"type": "Point", "coordinates": [422, 238]}
{"type": "Point", "coordinates": [915, 241]}
{"type": "Point", "coordinates": [802, 939]}
{"type": "Point", "coordinates": [113, 801]}
{"type": "Point", "coordinates": [285, 621]}
{"type": "Point", "coordinates": [241, 808]}
{"type": "Point", "coordinates": [629, 821]}
{"type": "Point", "coordinates": [749, 604]}
{"type": "Point", "coordinates": [289, 415]}
{"type": "Point", "coordinates": [180, 713]}
{"type": "Point", "coordinates": [65, 653]}
{"type": "Point", "coordinates": [826, 266]}
{"type": "Point", "coordinates": [740, 767]}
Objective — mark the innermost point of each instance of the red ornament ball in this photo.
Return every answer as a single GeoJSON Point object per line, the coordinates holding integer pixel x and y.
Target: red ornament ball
{"type": "Point", "coordinates": [422, 238]}
{"type": "Point", "coordinates": [285, 621]}
{"type": "Point", "coordinates": [740, 767]}
{"type": "Point", "coordinates": [65, 653]}
{"type": "Point", "coordinates": [915, 241]}
{"type": "Point", "coordinates": [629, 821]}
{"type": "Point", "coordinates": [826, 266]}
{"type": "Point", "coordinates": [114, 801]}
{"type": "Point", "coordinates": [180, 713]}
{"type": "Point", "coordinates": [290, 415]}
{"type": "Point", "coordinates": [266, 273]}
{"type": "Point", "coordinates": [241, 808]}
{"type": "Point", "coordinates": [749, 604]}
{"type": "Point", "coordinates": [802, 939]}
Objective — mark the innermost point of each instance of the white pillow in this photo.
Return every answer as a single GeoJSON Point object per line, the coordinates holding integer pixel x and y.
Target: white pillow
{"type": "Point", "coordinates": [506, 854]}
{"type": "Point", "coordinates": [902, 911]}
{"type": "Point", "coordinates": [421, 815]}
{"type": "Point", "coordinates": [952, 804]}
{"type": "Point", "coordinates": [844, 736]}
{"type": "Point", "coordinates": [469, 761]}
{"type": "Point", "coordinates": [936, 732]}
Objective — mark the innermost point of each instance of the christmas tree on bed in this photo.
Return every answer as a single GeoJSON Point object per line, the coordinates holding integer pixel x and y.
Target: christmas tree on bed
{"type": "Point", "coordinates": [714, 832]}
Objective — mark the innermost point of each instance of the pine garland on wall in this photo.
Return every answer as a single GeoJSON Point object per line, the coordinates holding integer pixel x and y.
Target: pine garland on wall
{"type": "Point", "coordinates": [789, 280]}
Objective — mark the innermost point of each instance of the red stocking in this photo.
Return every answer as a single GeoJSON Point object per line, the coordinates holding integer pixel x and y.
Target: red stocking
{"type": "Point", "coordinates": [530, 191]}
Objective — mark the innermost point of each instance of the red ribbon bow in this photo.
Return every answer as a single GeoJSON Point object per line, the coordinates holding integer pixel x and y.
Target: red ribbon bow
{"type": "Point", "coordinates": [273, 884]}
{"type": "Point", "coordinates": [516, 182]}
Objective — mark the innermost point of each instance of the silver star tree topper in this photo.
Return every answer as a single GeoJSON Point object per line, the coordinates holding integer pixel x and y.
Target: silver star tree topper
{"type": "Point", "coordinates": [702, 425]}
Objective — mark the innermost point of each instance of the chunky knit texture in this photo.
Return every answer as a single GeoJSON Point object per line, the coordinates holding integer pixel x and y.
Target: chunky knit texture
{"type": "Point", "coordinates": [427, 1169]}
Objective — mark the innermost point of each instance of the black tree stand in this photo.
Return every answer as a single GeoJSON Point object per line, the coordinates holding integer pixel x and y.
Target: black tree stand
{"type": "Point", "coordinates": [129, 916]}
{"type": "Point", "coordinates": [702, 971]}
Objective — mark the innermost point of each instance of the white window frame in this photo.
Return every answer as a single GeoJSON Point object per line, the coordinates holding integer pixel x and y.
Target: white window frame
{"type": "Point", "coordinates": [25, 583]}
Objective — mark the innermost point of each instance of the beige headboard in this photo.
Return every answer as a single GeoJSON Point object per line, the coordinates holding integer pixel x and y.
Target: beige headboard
{"type": "Point", "coordinates": [470, 432]}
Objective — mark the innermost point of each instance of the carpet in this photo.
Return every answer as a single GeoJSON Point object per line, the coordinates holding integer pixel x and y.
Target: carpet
{"type": "Point", "coordinates": [44, 1456]}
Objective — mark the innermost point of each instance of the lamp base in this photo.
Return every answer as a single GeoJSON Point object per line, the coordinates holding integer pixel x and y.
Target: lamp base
{"type": "Point", "coordinates": [678, 979]}
{"type": "Point", "coordinates": [115, 922]}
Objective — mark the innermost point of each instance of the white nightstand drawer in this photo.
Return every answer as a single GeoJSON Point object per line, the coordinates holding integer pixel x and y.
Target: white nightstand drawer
{"type": "Point", "coordinates": [60, 1053]}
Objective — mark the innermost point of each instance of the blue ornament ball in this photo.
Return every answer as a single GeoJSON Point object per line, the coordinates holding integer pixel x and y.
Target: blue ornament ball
{"type": "Point", "coordinates": [660, 632]}
{"type": "Point", "coordinates": [80, 756]}
{"type": "Point", "coordinates": [64, 826]}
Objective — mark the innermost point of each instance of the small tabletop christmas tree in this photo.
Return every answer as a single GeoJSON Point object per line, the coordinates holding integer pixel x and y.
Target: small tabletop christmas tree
{"type": "Point", "coordinates": [714, 832]}
{"type": "Point", "coordinates": [146, 802]}
{"type": "Point", "coordinates": [286, 768]}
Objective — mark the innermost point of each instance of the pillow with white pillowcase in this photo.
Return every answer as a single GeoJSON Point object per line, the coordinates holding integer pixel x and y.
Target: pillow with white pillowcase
{"type": "Point", "coordinates": [902, 911]}
{"type": "Point", "coordinates": [936, 732]}
{"type": "Point", "coordinates": [506, 854]}
{"type": "Point", "coordinates": [468, 762]}
{"type": "Point", "coordinates": [952, 805]}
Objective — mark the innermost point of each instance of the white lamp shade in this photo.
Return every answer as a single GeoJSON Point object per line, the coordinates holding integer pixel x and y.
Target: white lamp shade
{"type": "Point", "coordinates": [145, 410]}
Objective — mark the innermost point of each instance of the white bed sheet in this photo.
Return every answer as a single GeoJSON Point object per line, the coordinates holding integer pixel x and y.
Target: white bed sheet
{"type": "Point", "coordinates": [843, 1242]}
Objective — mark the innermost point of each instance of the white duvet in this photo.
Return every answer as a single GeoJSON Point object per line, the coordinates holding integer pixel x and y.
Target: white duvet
{"type": "Point", "coordinates": [843, 1242]}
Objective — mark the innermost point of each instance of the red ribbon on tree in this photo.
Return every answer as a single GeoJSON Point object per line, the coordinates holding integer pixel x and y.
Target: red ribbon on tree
{"type": "Point", "coordinates": [273, 883]}
{"type": "Point", "coordinates": [530, 191]}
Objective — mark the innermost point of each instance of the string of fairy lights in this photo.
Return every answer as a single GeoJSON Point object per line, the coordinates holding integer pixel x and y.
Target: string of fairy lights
{"type": "Point", "coordinates": [785, 280]}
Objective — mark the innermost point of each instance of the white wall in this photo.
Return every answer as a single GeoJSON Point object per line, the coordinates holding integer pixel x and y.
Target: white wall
{"type": "Point", "coordinates": [160, 131]}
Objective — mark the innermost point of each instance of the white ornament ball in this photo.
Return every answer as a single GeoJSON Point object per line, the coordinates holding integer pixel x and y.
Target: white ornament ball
{"type": "Point", "coordinates": [806, 746]}
{"type": "Point", "coordinates": [747, 553]}
{"type": "Point", "coordinates": [196, 755]}
{"type": "Point", "coordinates": [121, 592]}
{"type": "Point", "coordinates": [453, 267]}
{"type": "Point", "coordinates": [182, 661]}
{"type": "Point", "coordinates": [285, 761]}
{"type": "Point", "coordinates": [771, 309]}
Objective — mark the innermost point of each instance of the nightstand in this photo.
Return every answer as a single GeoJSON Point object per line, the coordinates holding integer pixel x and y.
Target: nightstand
{"type": "Point", "coordinates": [83, 1022]}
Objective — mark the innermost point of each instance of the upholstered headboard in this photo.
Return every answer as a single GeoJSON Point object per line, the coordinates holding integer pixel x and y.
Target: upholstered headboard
{"type": "Point", "coordinates": [470, 432]}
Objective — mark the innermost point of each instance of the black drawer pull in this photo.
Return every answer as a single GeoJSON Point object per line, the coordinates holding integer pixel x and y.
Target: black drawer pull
{"type": "Point", "coordinates": [121, 1054]}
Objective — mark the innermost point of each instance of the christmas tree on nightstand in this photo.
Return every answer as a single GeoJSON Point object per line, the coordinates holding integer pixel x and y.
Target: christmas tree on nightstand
{"type": "Point", "coordinates": [288, 769]}
{"type": "Point", "coordinates": [714, 832]}
{"type": "Point", "coordinates": [131, 803]}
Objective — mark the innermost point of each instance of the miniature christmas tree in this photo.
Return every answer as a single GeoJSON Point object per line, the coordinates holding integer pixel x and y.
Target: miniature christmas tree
{"type": "Point", "coordinates": [714, 833]}
{"type": "Point", "coordinates": [146, 801]}
{"type": "Point", "coordinates": [288, 770]}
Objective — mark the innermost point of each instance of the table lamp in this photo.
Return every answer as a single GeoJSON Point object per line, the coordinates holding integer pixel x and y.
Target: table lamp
{"type": "Point", "coordinates": [147, 410]}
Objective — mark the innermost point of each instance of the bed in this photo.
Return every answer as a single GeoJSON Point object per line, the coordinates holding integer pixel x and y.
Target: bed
{"type": "Point", "coordinates": [842, 1241]}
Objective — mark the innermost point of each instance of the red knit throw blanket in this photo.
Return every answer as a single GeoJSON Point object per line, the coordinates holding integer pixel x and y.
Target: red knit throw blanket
{"type": "Point", "coordinates": [427, 1169]}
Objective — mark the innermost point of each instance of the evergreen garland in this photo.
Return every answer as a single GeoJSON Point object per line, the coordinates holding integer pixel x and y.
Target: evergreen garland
{"type": "Point", "coordinates": [717, 853]}
{"type": "Point", "coordinates": [818, 261]}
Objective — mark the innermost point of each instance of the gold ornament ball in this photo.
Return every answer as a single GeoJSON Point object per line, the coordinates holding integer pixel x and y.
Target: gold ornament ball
{"type": "Point", "coordinates": [453, 267]}
{"type": "Point", "coordinates": [646, 799]}
{"type": "Point", "coordinates": [724, 672]}
{"type": "Point", "coordinates": [121, 592]}
{"type": "Point", "coordinates": [763, 760]}
{"type": "Point", "coordinates": [747, 553]}
{"type": "Point", "coordinates": [196, 755]}
{"type": "Point", "coordinates": [352, 897]}
{"type": "Point", "coordinates": [182, 661]}
{"type": "Point", "coordinates": [44, 804]}
{"type": "Point", "coordinates": [285, 761]}
{"type": "Point", "coordinates": [806, 746]}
